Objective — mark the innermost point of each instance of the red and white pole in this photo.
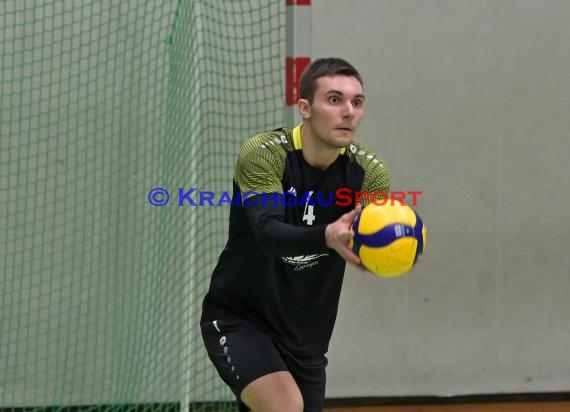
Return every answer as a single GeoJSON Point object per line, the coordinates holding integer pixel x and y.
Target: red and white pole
{"type": "Point", "coordinates": [298, 52]}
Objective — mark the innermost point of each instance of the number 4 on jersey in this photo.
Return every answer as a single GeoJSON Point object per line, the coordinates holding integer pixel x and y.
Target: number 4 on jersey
{"type": "Point", "coordinates": [309, 212]}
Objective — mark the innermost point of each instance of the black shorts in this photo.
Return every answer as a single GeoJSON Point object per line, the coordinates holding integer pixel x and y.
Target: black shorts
{"type": "Point", "coordinates": [241, 353]}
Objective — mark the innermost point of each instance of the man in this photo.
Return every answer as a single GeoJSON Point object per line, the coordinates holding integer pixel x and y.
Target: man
{"type": "Point", "coordinates": [269, 313]}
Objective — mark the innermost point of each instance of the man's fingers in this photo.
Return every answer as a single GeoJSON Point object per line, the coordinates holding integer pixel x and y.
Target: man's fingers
{"type": "Point", "coordinates": [350, 256]}
{"type": "Point", "coordinates": [339, 234]}
{"type": "Point", "coordinates": [358, 209]}
{"type": "Point", "coordinates": [351, 216]}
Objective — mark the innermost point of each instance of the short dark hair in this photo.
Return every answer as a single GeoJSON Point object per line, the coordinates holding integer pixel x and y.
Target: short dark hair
{"type": "Point", "coordinates": [326, 66]}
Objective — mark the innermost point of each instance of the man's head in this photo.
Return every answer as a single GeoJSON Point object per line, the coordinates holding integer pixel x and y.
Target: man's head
{"type": "Point", "coordinates": [331, 103]}
{"type": "Point", "coordinates": [328, 66]}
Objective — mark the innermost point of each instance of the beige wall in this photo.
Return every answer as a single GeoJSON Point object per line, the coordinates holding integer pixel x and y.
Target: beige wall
{"type": "Point", "coordinates": [469, 102]}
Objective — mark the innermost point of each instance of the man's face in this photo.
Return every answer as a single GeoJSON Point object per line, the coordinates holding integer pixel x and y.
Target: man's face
{"type": "Point", "coordinates": [337, 109]}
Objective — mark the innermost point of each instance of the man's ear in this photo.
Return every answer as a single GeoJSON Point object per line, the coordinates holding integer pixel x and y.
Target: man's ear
{"type": "Point", "coordinates": [304, 107]}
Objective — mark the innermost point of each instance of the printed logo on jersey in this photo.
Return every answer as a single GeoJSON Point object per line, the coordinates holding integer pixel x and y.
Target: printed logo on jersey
{"type": "Point", "coordinates": [304, 261]}
{"type": "Point", "coordinates": [278, 140]}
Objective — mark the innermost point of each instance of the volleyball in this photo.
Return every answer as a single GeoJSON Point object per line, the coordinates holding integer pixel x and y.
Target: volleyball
{"type": "Point", "coordinates": [389, 238]}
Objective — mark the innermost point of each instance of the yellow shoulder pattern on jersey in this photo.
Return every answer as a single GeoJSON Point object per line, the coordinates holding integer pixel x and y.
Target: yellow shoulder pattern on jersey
{"type": "Point", "coordinates": [376, 173]}
{"type": "Point", "coordinates": [261, 162]}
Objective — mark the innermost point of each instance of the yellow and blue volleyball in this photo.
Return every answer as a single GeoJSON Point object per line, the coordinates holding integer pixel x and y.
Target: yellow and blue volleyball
{"type": "Point", "coordinates": [389, 239]}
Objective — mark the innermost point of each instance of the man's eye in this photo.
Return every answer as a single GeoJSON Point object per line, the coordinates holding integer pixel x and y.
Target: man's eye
{"type": "Point", "coordinates": [357, 103]}
{"type": "Point", "coordinates": [333, 99]}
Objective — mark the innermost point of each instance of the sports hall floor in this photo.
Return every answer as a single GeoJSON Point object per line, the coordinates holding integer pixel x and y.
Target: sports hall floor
{"type": "Point", "coordinates": [478, 407]}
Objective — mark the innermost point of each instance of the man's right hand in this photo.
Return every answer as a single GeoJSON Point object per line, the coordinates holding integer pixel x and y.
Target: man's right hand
{"type": "Point", "coordinates": [339, 233]}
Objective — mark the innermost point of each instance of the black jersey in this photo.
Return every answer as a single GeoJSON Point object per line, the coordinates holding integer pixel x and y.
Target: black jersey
{"type": "Point", "coordinates": [276, 269]}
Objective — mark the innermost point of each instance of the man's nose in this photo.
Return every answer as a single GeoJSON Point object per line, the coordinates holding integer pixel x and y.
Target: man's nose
{"type": "Point", "coordinates": [348, 110]}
